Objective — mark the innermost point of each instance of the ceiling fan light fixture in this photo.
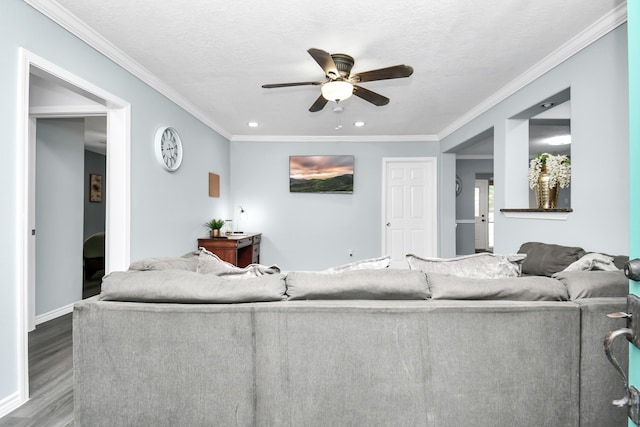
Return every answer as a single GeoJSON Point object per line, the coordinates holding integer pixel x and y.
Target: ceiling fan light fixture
{"type": "Point", "coordinates": [337, 90]}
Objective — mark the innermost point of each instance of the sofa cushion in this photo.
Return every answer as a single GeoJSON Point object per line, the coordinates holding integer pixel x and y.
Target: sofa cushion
{"type": "Point", "coordinates": [358, 284]}
{"type": "Point", "coordinates": [210, 263]}
{"type": "Point", "coordinates": [363, 264]}
{"type": "Point", "coordinates": [190, 287]}
{"type": "Point", "coordinates": [544, 259]}
{"type": "Point", "coordinates": [533, 288]}
{"type": "Point", "coordinates": [479, 266]}
{"type": "Point", "coordinates": [593, 284]}
{"type": "Point", "coordinates": [188, 261]}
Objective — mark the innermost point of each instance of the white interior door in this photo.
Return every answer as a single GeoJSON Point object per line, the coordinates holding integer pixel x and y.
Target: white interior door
{"type": "Point", "coordinates": [410, 208]}
{"type": "Point", "coordinates": [481, 214]}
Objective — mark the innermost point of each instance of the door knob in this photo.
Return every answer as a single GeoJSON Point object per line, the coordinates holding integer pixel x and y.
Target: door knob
{"type": "Point", "coordinates": [631, 398]}
{"type": "Point", "coordinates": [388, 224]}
{"type": "Point", "coordinates": [632, 269]}
{"type": "Point", "coordinates": [608, 343]}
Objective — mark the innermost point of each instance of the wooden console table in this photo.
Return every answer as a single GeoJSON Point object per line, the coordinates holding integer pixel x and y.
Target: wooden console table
{"type": "Point", "coordinates": [239, 249]}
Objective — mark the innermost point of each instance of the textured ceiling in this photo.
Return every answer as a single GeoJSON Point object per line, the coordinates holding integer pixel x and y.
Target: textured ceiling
{"type": "Point", "coordinates": [217, 54]}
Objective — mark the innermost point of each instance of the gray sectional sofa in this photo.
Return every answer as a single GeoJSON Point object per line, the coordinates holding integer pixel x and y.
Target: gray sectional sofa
{"type": "Point", "coordinates": [167, 345]}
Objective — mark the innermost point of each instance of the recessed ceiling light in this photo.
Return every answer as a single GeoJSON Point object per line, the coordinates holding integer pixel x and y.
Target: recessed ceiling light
{"type": "Point", "coordinates": [253, 124]}
{"type": "Point", "coordinates": [547, 105]}
{"type": "Point", "coordinates": [359, 124]}
{"type": "Point", "coordinates": [559, 140]}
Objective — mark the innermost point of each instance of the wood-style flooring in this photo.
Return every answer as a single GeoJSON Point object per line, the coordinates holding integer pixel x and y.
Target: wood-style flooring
{"type": "Point", "coordinates": [50, 378]}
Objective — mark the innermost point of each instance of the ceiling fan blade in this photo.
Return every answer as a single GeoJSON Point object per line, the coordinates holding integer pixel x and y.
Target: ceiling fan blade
{"type": "Point", "coordinates": [274, 85]}
{"type": "Point", "coordinates": [318, 105]}
{"type": "Point", "coordinates": [395, 72]}
{"type": "Point", "coordinates": [372, 97]}
{"type": "Point", "coordinates": [325, 61]}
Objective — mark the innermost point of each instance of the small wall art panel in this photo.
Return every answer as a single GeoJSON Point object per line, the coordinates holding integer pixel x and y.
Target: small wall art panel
{"type": "Point", "coordinates": [321, 174]}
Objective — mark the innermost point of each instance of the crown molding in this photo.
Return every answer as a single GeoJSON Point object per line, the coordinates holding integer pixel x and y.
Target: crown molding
{"type": "Point", "coordinates": [71, 23]}
{"type": "Point", "coordinates": [337, 138]}
{"type": "Point", "coordinates": [604, 25]}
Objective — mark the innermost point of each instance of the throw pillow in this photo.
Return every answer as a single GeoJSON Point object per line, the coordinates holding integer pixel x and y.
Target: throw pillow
{"type": "Point", "coordinates": [479, 266]}
{"type": "Point", "coordinates": [364, 264]}
{"type": "Point", "coordinates": [533, 288]}
{"type": "Point", "coordinates": [593, 261]}
{"type": "Point", "coordinates": [544, 259]}
{"type": "Point", "coordinates": [374, 284]}
{"type": "Point", "coordinates": [188, 261]}
{"type": "Point", "coordinates": [210, 263]}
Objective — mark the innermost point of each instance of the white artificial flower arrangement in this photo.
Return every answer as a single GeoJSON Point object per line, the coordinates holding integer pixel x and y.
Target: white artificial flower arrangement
{"type": "Point", "coordinates": [558, 168]}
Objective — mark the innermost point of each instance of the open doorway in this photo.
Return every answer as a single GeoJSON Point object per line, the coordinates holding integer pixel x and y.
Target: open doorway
{"type": "Point", "coordinates": [117, 186]}
{"type": "Point", "coordinates": [483, 213]}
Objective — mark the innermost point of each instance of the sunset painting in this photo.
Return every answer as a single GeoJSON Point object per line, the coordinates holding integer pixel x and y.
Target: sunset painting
{"type": "Point", "coordinates": [321, 174]}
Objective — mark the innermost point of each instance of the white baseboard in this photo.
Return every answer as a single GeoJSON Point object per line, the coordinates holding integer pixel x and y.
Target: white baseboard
{"type": "Point", "coordinates": [54, 314]}
{"type": "Point", "coordinates": [10, 404]}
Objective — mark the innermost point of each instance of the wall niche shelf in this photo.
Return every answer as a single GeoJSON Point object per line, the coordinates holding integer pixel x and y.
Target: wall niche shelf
{"type": "Point", "coordinates": [559, 214]}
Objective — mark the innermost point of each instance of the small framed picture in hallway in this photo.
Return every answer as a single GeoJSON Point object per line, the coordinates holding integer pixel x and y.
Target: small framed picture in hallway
{"type": "Point", "coordinates": [95, 188]}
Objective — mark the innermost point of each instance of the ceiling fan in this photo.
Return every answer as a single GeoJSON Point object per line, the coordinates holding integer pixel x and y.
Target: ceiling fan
{"type": "Point", "coordinates": [341, 84]}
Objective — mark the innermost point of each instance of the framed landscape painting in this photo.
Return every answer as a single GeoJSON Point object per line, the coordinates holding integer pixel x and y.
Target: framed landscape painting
{"type": "Point", "coordinates": [321, 174]}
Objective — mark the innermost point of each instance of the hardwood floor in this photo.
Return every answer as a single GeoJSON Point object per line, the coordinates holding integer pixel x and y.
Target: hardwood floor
{"type": "Point", "coordinates": [50, 378]}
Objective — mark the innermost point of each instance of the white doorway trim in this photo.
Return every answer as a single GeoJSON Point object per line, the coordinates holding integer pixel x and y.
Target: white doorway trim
{"type": "Point", "coordinates": [118, 183]}
{"type": "Point", "coordinates": [481, 215]}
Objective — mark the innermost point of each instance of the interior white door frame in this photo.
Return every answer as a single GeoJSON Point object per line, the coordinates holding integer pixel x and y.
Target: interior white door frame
{"type": "Point", "coordinates": [118, 180]}
{"type": "Point", "coordinates": [482, 221]}
{"type": "Point", "coordinates": [385, 162]}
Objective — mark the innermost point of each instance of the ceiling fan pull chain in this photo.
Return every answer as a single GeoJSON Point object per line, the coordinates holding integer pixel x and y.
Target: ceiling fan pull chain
{"type": "Point", "coordinates": [338, 109]}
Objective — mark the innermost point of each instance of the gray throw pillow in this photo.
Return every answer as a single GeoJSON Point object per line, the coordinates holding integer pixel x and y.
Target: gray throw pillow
{"type": "Point", "coordinates": [479, 266]}
{"type": "Point", "coordinates": [534, 288]}
{"type": "Point", "coordinates": [544, 259]}
{"type": "Point", "coordinates": [363, 264]}
{"type": "Point", "coordinates": [210, 263]}
{"type": "Point", "coordinates": [593, 261]}
{"type": "Point", "coordinates": [387, 284]}
{"type": "Point", "coordinates": [188, 261]}
{"type": "Point", "coordinates": [594, 284]}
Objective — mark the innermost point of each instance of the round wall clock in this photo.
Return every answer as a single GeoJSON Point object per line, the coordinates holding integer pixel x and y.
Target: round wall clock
{"type": "Point", "coordinates": [168, 148]}
{"type": "Point", "coordinates": [458, 185]}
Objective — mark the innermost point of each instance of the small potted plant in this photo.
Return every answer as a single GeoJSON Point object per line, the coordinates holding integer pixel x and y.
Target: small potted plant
{"type": "Point", "coordinates": [214, 225]}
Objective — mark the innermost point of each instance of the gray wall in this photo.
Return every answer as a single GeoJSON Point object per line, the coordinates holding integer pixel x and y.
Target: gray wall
{"type": "Point", "coordinates": [597, 77]}
{"type": "Point", "coordinates": [59, 212]}
{"type": "Point", "coordinates": [94, 212]}
{"type": "Point", "coordinates": [314, 231]}
{"type": "Point", "coordinates": [467, 169]}
{"type": "Point", "coordinates": [167, 209]}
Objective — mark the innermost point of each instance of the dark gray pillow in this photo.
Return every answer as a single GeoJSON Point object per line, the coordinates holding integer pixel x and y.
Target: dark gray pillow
{"type": "Point", "coordinates": [620, 260]}
{"type": "Point", "coordinates": [532, 288]}
{"type": "Point", "coordinates": [593, 284]}
{"type": "Point", "coordinates": [182, 286]}
{"type": "Point", "coordinates": [375, 284]}
{"type": "Point", "coordinates": [544, 259]}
